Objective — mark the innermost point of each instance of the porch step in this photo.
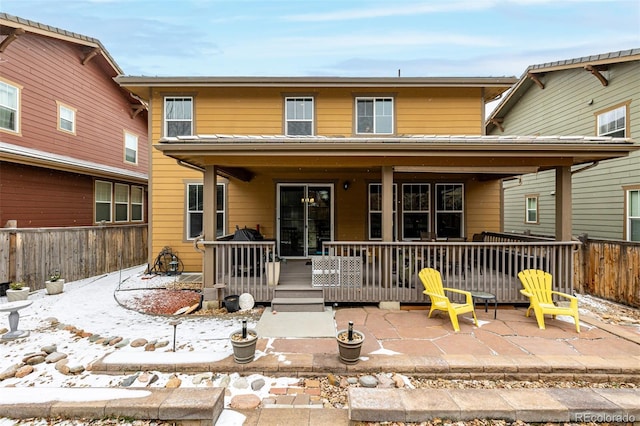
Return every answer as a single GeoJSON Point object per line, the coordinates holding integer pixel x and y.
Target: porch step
{"type": "Point", "coordinates": [298, 304]}
{"type": "Point", "coordinates": [301, 290]}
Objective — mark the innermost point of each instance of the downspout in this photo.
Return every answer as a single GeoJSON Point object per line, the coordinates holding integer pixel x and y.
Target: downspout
{"type": "Point", "coordinates": [590, 166]}
{"type": "Point", "coordinates": [190, 166]}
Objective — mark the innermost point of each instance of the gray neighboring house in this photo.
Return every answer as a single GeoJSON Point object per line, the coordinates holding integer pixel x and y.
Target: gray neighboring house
{"type": "Point", "coordinates": [597, 95]}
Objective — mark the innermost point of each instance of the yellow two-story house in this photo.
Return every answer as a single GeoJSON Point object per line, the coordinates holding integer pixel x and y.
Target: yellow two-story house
{"type": "Point", "coordinates": [384, 170]}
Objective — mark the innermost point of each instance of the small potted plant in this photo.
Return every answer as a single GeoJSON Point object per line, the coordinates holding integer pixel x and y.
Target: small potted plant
{"type": "Point", "coordinates": [17, 291]}
{"type": "Point", "coordinates": [55, 284]}
{"type": "Point", "coordinates": [349, 344]}
{"type": "Point", "coordinates": [244, 344]}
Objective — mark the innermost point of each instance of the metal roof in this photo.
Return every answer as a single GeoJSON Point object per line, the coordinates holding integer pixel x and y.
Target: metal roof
{"type": "Point", "coordinates": [35, 157]}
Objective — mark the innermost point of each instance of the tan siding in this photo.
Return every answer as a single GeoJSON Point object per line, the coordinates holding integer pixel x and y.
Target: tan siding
{"type": "Point", "coordinates": [482, 207]}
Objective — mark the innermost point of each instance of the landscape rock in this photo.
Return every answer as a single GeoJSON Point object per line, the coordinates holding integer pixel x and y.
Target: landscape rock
{"type": "Point", "coordinates": [138, 343]}
{"type": "Point", "coordinates": [49, 349]}
{"type": "Point", "coordinates": [76, 369]}
{"type": "Point", "coordinates": [9, 372]}
{"type": "Point", "coordinates": [368, 381]}
{"type": "Point", "coordinates": [240, 383]}
{"type": "Point", "coordinates": [23, 371]}
{"type": "Point", "coordinates": [35, 360]}
{"type": "Point", "coordinates": [244, 402]}
{"type": "Point", "coordinates": [173, 382]}
{"type": "Point", "coordinates": [54, 357]}
{"type": "Point", "coordinates": [128, 381]}
{"type": "Point", "coordinates": [258, 384]}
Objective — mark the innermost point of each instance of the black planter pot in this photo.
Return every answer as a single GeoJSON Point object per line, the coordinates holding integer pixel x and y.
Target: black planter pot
{"type": "Point", "coordinates": [232, 303]}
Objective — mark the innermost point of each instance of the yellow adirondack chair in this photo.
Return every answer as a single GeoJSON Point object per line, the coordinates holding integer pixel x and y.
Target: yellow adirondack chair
{"type": "Point", "coordinates": [537, 287]}
{"type": "Point", "coordinates": [432, 281]}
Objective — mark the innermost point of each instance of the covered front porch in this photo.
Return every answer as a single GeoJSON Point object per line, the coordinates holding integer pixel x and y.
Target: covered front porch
{"type": "Point", "coordinates": [370, 272]}
{"type": "Point", "coordinates": [382, 194]}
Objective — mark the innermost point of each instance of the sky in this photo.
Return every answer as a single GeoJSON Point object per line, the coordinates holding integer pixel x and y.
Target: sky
{"type": "Point", "coordinates": [359, 38]}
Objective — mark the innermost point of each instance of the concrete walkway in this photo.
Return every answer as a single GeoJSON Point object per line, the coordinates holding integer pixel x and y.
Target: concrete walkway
{"type": "Point", "coordinates": [511, 347]}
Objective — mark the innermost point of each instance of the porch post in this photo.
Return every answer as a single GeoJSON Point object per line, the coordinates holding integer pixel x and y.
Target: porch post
{"type": "Point", "coordinates": [564, 215]}
{"type": "Point", "coordinates": [387, 203]}
{"type": "Point", "coordinates": [209, 226]}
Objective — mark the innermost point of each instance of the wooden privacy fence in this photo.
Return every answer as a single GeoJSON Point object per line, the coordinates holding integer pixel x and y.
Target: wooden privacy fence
{"type": "Point", "coordinates": [609, 269]}
{"type": "Point", "coordinates": [30, 255]}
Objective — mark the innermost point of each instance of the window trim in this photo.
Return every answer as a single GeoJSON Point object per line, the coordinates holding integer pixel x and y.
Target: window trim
{"type": "Point", "coordinates": [132, 135]}
{"type": "Point", "coordinates": [117, 203]}
{"type": "Point", "coordinates": [132, 203]}
{"type": "Point", "coordinates": [18, 110]}
{"type": "Point", "coordinates": [370, 211]}
{"type": "Point", "coordinates": [627, 207]}
{"type": "Point", "coordinates": [528, 197]}
{"type": "Point", "coordinates": [313, 113]}
{"type": "Point", "coordinates": [164, 113]}
{"type": "Point", "coordinates": [627, 118]}
{"type": "Point", "coordinates": [427, 212]}
{"type": "Point", "coordinates": [187, 212]}
{"type": "Point", "coordinates": [95, 201]}
{"type": "Point", "coordinates": [437, 211]}
{"type": "Point", "coordinates": [60, 106]}
{"type": "Point", "coordinates": [374, 98]}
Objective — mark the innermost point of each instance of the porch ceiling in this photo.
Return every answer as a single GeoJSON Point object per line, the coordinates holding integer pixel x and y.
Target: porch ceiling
{"type": "Point", "coordinates": [482, 155]}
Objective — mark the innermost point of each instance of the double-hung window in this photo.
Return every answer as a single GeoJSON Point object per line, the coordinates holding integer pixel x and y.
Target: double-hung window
{"type": "Point", "coordinates": [449, 210]}
{"type": "Point", "coordinates": [130, 148]}
{"type": "Point", "coordinates": [137, 204]}
{"type": "Point", "coordinates": [9, 107]}
{"type": "Point", "coordinates": [66, 118]}
{"type": "Point", "coordinates": [103, 201]}
{"type": "Point", "coordinates": [178, 116]}
{"type": "Point", "coordinates": [195, 210]}
{"type": "Point", "coordinates": [633, 215]}
{"type": "Point", "coordinates": [299, 116]}
{"type": "Point", "coordinates": [375, 211]}
{"type": "Point", "coordinates": [374, 115]}
{"type": "Point", "coordinates": [122, 202]}
{"type": "Point", "coordinates": [415, 210]}
{"type": "Point", "coordinates": [613, 122]}
{"type": "Point", "coordinates": [531, 209]}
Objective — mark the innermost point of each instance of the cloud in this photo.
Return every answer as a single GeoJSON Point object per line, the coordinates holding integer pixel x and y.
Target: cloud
{"type": "Point", "coordinates": [368, 12]}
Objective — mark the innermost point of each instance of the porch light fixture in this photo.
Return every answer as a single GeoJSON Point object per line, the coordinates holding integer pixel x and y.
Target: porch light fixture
{"type": "Point", "coordinates": [307, 200]}
{"type": "Point", "coordinates": [346, 185]}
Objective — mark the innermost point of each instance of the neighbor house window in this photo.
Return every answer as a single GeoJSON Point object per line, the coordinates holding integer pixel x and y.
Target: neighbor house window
{"type": "Point", "coordinates": [449, 210]}
{"type": "Point", "coordinates": [178, 116]}
{"type": "Point", "coordinates": [531, 209]}
{"type": "Point", "coordinates": [122, 202]}
{"type": "Point", "coordinates": [66, 118]}
{"type": "Point", "coordinates": [9, 107]}
{"type": "Point", "coordinates": [633, 215]}
{"type": "Point", "coordinates": [613, 122]}
{"type": "Point", "coordinates": [103, 201]}
{"type": "Point", "coordinates": [415, 210]}
{"type": "Point", "coordinates": [130, 148]}
{"type": "Point", "coordinates": [374, 115]}
{"type": "Point", "coordinates": [299, 116]}
{"type": "Point", "coordinates": [375, 211]}
{"type": "Point", "coordinates": [137, 204]}
{"type": "Point", "coordinates": [195, 212]}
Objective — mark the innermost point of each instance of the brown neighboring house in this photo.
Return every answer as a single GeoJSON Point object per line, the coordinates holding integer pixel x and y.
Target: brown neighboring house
{"type": "Point", "coordinates": [73, 143]}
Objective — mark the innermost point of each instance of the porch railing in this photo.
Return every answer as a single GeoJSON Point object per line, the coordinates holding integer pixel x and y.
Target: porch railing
{"type": "Point", "coordinates": [377, 271]}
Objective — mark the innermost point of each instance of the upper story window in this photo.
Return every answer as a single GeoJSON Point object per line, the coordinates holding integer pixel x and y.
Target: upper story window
{"type": "Point", "coordinates": [374, 115]}
{"type": "Point", "coordinates": [178, 116]}
{"type": "Point", "coordinates": [66, 118]}
{"type": "Point", "coordinates": [531, 209]}
{"type": "Point", "coordinates": [130, 148]}
{"type": "Point", "coordinates": [299, 116]}
{"type": "Point", "coordinates": [9, 107]}
{"type": "Point", "coordinates": [613, 122]}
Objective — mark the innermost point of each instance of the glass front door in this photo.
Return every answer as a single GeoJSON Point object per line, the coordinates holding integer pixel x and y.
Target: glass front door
{"type": "Point", "coordinates": [305, 218]}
